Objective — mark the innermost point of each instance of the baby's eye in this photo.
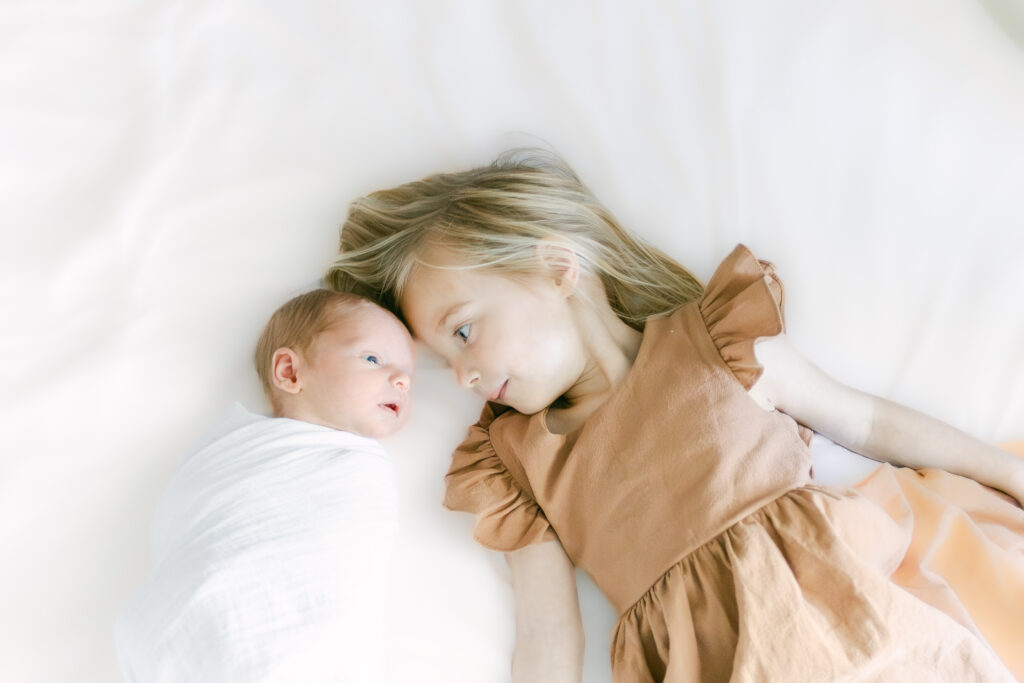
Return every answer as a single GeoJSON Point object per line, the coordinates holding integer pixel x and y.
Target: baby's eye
{"type": "Point", "coordinates": [463, 333]}
{"type": "Point", "coordinates": [372, 359]}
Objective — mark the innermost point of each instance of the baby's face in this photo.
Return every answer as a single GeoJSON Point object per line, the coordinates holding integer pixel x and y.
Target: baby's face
{"type": "Point", "coordinates": [359, 372]}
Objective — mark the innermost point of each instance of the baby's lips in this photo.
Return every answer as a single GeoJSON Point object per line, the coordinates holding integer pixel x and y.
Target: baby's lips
{"type": "Point", "coordinates": [394, 406]}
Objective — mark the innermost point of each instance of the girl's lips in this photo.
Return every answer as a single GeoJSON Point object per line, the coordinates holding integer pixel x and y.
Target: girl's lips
{"type": "Point", "coordinates": [393, 407]}
{"type": "Point", "coordinates": [500, 392]}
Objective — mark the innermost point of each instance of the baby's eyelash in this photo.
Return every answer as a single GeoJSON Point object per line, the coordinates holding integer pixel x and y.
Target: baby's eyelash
{"type": "Point", "coordinates": [372, 358]}
{"type": "Point", "coordinates": [462, 332]}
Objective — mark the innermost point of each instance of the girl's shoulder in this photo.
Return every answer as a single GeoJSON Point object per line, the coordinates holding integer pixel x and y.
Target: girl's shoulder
{"type": "Point", "coordinates": [743, 302]}
{"type": "Point", "coordinates": [492, 411]}
{"type": "Point", "coordinates": [501, 432]}
{"type": "Point", "coordinates": [739, 276]}
{"type": "Point", "coordinates": [488, 480]}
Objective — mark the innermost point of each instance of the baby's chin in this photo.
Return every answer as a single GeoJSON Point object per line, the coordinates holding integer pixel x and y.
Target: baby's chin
{"type": "Point", "coordinates": [381, 429]}
{"type": "Point", "coordinates": [379, 432]}
{"type": "Point", "coordinates": [383, 423]}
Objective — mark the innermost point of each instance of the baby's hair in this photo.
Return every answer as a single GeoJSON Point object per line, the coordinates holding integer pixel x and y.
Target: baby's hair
{"type": "Point", "coordinates": [297, 324]}
{"type": "Point", "coordinates": [493, 218]}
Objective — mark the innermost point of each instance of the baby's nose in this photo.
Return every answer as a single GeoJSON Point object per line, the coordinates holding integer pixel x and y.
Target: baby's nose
{"type": "Point", "coordinates": [401, 381]}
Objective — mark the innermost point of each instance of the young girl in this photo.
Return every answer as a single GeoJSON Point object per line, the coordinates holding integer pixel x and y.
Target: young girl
{"type": "Point", "coordinates": [654, 432]}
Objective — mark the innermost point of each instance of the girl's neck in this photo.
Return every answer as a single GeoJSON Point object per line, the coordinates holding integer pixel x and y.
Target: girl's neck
{"type": "Point", "coordinates": [611, 347]}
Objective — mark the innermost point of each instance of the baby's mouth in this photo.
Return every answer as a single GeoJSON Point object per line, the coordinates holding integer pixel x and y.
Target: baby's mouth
{"type": "Point", "coordinates": [393, 407]}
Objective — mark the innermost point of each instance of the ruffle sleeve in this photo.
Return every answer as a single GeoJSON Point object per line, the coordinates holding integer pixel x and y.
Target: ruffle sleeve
{"type": "Point", "coordinates": [479, 482]}
{"type": "Point", "coordinates": [743, 301]}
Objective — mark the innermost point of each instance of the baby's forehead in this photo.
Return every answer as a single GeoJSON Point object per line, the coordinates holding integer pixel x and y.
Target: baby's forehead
{"type": "Point", "coordinates": [367, 320]}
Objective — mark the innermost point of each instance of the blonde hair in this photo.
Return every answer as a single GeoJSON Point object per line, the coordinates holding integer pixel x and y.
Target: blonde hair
{"type": "Point", "coordinates": [297, 324]}
{"type": "Point", "coordinates": [493, 218]}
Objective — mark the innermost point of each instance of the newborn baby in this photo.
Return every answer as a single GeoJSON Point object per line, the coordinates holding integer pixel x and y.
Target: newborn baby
{"type": "Point", "coordinates": [339, 361]}
{"type": "Point", "coordinates": [271, 544]}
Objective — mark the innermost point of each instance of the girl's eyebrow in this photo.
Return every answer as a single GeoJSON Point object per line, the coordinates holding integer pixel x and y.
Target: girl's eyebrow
{"type": "Point", "coordinates": [450, 313]}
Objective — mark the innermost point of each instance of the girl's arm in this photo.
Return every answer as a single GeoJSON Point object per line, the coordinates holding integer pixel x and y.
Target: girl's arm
{"type": "Point", "coordinates": [549, 629]}
{"type": "Point", "coordinates": [873, 426]}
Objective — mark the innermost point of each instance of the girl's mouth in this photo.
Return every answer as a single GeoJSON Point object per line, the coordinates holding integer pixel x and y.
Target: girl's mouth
{"type": "Point", "coordinates": [393, 407]}
{"type": "Point", "coordinates": [500, 393]}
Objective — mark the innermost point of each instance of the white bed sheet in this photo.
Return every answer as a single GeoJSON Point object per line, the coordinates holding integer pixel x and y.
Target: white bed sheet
{"type": "Point", "coordinates": [170, 172]}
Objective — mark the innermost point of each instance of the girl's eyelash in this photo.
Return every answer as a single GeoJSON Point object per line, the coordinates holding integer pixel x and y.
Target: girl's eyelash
{"type": "Point", "coordinates": [462, 332]}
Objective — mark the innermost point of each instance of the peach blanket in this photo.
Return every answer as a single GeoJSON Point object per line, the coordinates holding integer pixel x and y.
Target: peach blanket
{"type": "Point", "coordinates": [965, 550]}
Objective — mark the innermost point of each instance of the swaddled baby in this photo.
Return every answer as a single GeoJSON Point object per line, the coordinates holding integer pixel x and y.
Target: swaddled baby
{"type": "Point", "coordinates": [271, 544]}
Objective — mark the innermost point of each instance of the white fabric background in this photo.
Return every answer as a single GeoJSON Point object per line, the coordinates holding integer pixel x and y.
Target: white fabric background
{"type": "Point", "coordinates": [171, 172]}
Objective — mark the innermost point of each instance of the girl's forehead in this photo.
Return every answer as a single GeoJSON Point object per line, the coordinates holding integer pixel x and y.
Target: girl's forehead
{"type": "Point", "coordinates": [438, 279]}
{"type": "Point", "coordinates": [439, 255]}
{"type": "Point", "coordinates": [430, 292]}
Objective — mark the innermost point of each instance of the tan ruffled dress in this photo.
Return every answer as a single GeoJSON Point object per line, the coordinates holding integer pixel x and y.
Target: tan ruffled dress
{"type": "Point", "coordinates": [693, 510]}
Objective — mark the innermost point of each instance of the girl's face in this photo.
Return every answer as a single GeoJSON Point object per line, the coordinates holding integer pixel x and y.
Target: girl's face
{"type": "Point", "coordinates": [515, 343]}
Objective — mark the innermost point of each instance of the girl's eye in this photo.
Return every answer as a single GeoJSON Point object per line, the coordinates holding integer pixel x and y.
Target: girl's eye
{"type": "Point", "coordinates": [463, 333]}
{"type": "Point", "coordinates": [372, 359]}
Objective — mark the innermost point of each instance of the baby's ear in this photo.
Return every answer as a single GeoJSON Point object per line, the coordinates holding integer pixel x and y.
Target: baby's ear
{"type": "Point", "coordinates": [285, 369]}
{"type": "Point", "coordinates": [561, 261]}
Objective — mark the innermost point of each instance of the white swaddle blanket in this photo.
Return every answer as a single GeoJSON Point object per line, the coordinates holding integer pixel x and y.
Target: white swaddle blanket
{"type": "Point", "coordinates": [270, 551]}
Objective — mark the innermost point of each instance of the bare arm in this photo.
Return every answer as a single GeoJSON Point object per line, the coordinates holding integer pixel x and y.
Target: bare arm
{"type": "Point", "coordinates": [875, 427]}
{"type": "Point", "coordinates": [549, 629]}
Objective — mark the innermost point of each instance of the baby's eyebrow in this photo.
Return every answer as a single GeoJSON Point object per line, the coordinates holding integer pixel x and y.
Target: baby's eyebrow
{"type": "Point", "coordinates": [450, 313]}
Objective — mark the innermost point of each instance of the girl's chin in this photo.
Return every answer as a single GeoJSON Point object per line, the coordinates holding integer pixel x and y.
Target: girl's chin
{"type": "Point", "coordinates": [528, 405]}
{"type": "Point", "coordinates": [531, 408]}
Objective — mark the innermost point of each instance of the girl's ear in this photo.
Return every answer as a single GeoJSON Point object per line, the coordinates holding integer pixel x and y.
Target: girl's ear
{"type": "Point", "coordinates": [285, 370]}
{"type": "Point", "coordinates": [562, 263]}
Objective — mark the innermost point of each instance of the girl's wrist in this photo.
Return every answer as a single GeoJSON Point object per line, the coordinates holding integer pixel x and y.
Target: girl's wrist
{"type": "Point", "coordinates": [1018, 487]}
{"type": "Point", "coordinates": [1015, 480]}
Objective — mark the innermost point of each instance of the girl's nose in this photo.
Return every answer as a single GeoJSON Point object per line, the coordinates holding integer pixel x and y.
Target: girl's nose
{"type": "Point", "coordinates": [466, 377]}
{"type": "Point", "coordinates": [401, 381]}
